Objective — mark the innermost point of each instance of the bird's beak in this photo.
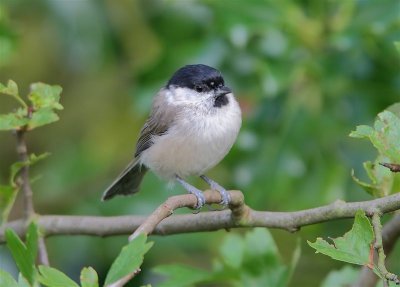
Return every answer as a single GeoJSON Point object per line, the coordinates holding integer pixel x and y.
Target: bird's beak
{"type": "Point", "coordinates": [223, 91]}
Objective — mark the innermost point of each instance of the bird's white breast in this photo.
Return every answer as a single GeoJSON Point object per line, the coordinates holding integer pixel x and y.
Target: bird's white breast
{"type": "Point", "coordinates": [195, 142]}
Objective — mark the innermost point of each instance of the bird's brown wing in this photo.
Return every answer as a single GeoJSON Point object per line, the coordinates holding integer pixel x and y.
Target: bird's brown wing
{"type": "Point", "coordinates": [160, 119]}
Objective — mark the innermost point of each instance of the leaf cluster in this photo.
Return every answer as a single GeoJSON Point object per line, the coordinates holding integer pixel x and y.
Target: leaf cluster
{"type": "Point", "coordinates": [125, 265]}
{"type": "Point", "coordinates": [384, 136]}
{"type": "Point", "coordinates": [44, 101]}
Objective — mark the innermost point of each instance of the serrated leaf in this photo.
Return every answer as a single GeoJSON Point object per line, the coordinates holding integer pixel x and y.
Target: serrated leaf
{"type": "Point", "coordinates": [232, 250]}
{"type": "Point", "coordinates": [12, 121]}
{"type": "Point", "coordinates": [89, 277]}
{"type": "Point", "coordinates": [45, 96]}
{"type": "Point", "coordinates": [181, 275]}
{"type": "Point", "coordinates": [42, 117]}
{"type": "Point", "coordinates": [8, 195]}
{"type": "Point", "coordinates": [21, 256]}
{"type": "Point", "coordinates": [384, 136]}
{"type": "Point", "coordinates": [6, 280]}
{"type": "Point", "coordinates": [52, 277]}
{"type": "Point", "coordinates": [362, 132]}
{"type": "Point", "coordinates": [353, 247]}
{"type": "Point", "coordinates": [129, 260]}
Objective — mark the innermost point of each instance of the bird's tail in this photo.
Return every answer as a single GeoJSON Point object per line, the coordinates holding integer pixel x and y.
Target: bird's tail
{"type": "Point", "coordinates": [127, 182]}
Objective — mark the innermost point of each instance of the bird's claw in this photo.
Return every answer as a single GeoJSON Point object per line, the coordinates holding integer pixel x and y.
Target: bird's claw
{"type": "Point", "coordinates": [226, 198]}
{"type": "Point", "coordinates": [201, 200]}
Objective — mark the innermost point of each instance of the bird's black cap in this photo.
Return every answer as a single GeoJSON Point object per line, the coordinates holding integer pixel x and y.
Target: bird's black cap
{"type": "Point", "coordinates": [191, 76]}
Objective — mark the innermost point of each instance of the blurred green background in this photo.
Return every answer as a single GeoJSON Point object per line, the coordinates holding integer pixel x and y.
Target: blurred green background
{"type": "Point", "coordinates": [305, 73]}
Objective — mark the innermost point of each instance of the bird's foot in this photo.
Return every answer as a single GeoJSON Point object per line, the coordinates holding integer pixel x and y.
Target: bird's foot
{"type": "Point", "coordinates": [201, 200]}
{"type": "Point", "coordinates": [226, 197]}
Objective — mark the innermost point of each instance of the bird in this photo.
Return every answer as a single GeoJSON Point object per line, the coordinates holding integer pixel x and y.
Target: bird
{"type": "Point", "coordinates": [194, 122]}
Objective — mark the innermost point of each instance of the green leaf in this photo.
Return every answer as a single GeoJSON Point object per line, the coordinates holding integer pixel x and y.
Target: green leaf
{"type": "Point", "coordinates": [397, 45]}
{"type": "Point", "coordinates": [52, 277]}
{"type": "Point", "coordinates": [32, 236]}
{"type": "Point", "coordinates": [11, 88]}
{"type": "Point", "coordinates": [362, 132]}
{"type": "Point", "coordinates": [6, 280]}
{"type": "Point", "coordinates": [12, 121]}
{"type": "Point", "coordinates": [293, 264]}
{"type": "Point", "coordinates": [45, 96]}
{"type": "Point", "coordinates": [354, 247]}
{"type": "Point", "coordinates": [383, 181]}
{"type": "Point", "coordinates": [8, 195]}
{"type": "Point", "coordinates": [181, 275]}
{"type": "Point", "coordinates": [9, 192]}
{"type": "Point", "coordinates": [17, 166]}
{"type": "Point", "coordinates": [343, 277]}
{"type": "Point", "coordinates": [22, 282]}
{"type": "Point", "coordinates": [14, 170]}
{"type": "Point", "coordinates": [89, 277]}
{"type": "Point", "coordinates": [21, 256]}
{"type": "Point", "coordinates": [42, 117]}
{"type": "Point", "coordinates": [232, 250]}
{"type": "Point", "coordinates": [262, 263]}
{"type": "Point", "coordinates": [129, 259]}
{"type": "Point", "coordinates": [260, 242]}
{"type": "Point", "coordinates": [384, 136]}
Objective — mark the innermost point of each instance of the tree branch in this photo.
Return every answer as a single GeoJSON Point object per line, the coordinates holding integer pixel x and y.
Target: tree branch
{"type": "Point", "coordinates": [22, 151]}
{"type": "Point", "coordinates": [24, 174]}
{"type": "Point", "coordinates": [237, 207]}
{"type": "Point", "coordinates": [240, 216]}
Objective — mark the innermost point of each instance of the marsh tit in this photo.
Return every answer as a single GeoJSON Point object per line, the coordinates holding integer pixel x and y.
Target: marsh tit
{"type": "Point", "coordinates": [194, 122]}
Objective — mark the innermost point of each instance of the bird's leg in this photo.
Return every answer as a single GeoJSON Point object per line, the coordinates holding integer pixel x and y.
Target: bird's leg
{"type": "Point", "coordinates": [226, 198]}
{"type": "Point", "coordinates": [201, 200]}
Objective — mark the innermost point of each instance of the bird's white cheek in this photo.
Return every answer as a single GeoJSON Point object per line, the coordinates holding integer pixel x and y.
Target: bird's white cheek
{"type": "Point", "coordinates": [183, 96]}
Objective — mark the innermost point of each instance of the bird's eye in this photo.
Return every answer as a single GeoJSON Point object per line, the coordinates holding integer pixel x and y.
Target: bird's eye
{"type": "Point", "coordinates": [198, 88]}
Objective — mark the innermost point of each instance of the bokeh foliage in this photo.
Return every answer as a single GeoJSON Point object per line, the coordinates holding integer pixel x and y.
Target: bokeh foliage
{"type": "Point", "coordinates": [305, 72]}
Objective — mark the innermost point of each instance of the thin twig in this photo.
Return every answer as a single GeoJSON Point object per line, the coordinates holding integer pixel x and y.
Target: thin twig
{"type": "Point", "coordinates": [241, 216]}
{"type": "Point", "coordinates": [390, 235]}
{"type": "Point", "coordinates": [22, 151]}
{"type": "Point", "coordinates": [376, 224]}
{"type": "Point", "coordinates": [394, 167]}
